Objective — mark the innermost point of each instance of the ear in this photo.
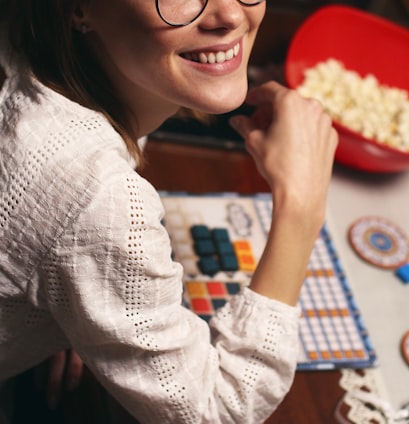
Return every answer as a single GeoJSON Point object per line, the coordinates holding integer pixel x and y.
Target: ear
{"type": "Point", "coordinates": [79, 19]}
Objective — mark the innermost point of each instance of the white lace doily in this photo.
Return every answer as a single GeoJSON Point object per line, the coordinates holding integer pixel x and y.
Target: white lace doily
{"type": "Point", "coordinates": [354, 410]}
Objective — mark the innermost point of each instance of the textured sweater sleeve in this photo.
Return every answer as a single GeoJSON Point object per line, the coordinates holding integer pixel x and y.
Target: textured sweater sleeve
{"type": "Point", "coordinates": [116, 293]}
{"type": "Point", "coordinates": [84, 251]}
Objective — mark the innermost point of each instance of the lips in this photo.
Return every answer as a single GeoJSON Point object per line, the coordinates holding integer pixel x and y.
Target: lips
{"type": "Point", "coordinates": [220, 56]}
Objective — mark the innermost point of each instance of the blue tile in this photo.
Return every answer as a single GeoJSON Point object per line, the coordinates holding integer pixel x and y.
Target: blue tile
{"type": "Point", "coordinates": [204, 248]}
{"type": "Point", "coordinates": [224, 247]}
{"type": "Point", "coordinates": [233, 288]}
{"type": "Point", "coordinates": [229, 263]}
{"type": "Point", "coordinates": [200, 232]}
{"type": "Point", "coordinates": [218, 303]}
{"type": "Point", "coordinates": [220, 234]}
{"type": "Point", "coordinates": [403, 273]}
{"type": "Point", "coordinates": [208, 265]}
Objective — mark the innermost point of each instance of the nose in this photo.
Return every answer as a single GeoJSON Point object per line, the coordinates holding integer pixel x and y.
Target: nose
{"type": "Point", "coordinates": [222, 14]}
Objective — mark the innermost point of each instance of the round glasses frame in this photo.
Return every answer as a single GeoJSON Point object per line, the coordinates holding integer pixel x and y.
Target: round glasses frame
{"type": "Point", "coordinates": [243, 3]}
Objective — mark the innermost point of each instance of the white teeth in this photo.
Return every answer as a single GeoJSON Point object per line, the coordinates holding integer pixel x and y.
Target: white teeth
{"type": "Point", "coordinates": [216, 57]}
{"type": "Point", "coordinates": [211, 58]}
{"type": "Point", "coordinates": [202, 58]}
{"type": "Point", "coordinates": [220, 57]}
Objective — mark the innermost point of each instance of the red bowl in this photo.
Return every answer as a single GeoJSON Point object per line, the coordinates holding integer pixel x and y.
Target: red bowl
{"type": "Point", "coordinates": [366, 44]}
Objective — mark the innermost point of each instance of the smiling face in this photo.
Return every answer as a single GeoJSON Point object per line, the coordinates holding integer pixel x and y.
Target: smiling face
{"type": "Point", "coordinates": [157, 68]}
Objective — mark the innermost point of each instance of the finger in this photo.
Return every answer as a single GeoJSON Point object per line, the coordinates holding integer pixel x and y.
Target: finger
{"type": "Point", "coordinates": [241, 124]}
{"type": "Point", "coordinates": [265, 93]}
{"type": "Point", "coordinates": [260, 119]}
{"type": "Point", "coordinates": [55, 378]}
{"type": "Point", "coordinates": [74, 371]}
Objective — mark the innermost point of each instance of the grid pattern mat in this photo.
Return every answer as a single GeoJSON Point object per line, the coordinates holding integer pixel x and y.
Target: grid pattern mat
{"type": "Point", "coordinates": [219, 238]}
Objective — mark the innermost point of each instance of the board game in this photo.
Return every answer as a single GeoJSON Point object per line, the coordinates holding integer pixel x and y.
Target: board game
{"type": "Point", "coordinates": [218, 238]}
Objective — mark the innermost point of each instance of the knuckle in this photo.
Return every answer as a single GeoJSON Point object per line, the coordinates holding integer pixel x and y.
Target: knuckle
{"type": "Point", "coordinates": [291, 96]}
{"type": "Point", "coordinates": [316, 105]}
{"type": "Point", "coordinates": [327, 119]}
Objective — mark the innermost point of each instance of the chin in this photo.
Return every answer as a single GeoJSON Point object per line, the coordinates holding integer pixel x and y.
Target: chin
{"type": "Point", "coordinates": [221, 104]}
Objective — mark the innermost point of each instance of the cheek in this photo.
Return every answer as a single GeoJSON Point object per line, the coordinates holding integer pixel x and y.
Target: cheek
{"type": "Point", "coordinates": [261, 12]}
{"type": "Point", "coordinates": [135, 49]}
{"type": "Point", "coordinates": [122, 25]}
{"type": "Point", "coordinates": [257, 15]}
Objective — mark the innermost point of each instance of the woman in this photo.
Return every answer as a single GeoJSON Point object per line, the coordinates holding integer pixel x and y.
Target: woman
{"type": "Point", "coordinates": [85, 261]}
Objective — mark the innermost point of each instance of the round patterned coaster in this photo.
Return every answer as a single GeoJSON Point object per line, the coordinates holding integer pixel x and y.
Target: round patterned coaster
{"type": "Point", "coordinates": [379, 242]}
{"type": "Point", "coordinates": [405, 347]}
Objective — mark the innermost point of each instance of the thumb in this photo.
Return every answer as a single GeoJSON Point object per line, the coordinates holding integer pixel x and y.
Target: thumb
{"type": "Point", "coordinates": [241, 124]}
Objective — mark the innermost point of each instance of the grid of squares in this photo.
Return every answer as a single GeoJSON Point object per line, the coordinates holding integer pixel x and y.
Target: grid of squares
{"type": "Point", "coordinates": [332, 332]}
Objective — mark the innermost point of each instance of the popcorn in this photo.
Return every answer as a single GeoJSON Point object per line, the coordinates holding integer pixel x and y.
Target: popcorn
{"type": "Point", "coordinates": [360, 103]}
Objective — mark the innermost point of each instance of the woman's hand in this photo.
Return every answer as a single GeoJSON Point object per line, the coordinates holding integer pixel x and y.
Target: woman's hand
{"type": "Point", "coordinates": [63, 371]}
{"type": "Point", "coordinates": [292, 142]}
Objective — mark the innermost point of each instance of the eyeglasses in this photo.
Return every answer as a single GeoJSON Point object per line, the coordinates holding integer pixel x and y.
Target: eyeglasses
{"type": "Point", "coordinates": [183, 12]}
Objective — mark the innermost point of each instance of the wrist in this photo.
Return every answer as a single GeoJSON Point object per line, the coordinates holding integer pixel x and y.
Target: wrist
{"type": "Point", "coordinates": [298, 212]}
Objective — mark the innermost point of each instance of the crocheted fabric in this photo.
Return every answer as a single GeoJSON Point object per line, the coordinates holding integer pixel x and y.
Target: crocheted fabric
{"type": "Point", "coordinates": [86, 263]}
{"type": "Point", "coordinates": [351, 408]}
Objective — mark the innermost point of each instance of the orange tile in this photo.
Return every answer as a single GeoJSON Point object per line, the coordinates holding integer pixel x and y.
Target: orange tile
{"type": "Point", "coordinates": [196, 288]}
{"type": "Point", "coordinates": [241, 245]}
{"type": "Point", "coordinates": [325, 354]}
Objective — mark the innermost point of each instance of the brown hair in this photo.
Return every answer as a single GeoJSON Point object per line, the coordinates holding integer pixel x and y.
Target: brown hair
{"type": "Point", "coordinates": [41, 30]}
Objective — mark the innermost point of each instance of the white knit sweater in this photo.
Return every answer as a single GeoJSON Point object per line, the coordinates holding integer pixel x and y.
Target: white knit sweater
{"type": "Point", "coordinates": [86, 263]}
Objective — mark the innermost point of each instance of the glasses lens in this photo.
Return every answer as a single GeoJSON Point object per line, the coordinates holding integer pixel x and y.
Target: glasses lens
{"type": "Point", "coordinates": [251, 2]}
{"type": "Point", "coordinates": [180, 12]}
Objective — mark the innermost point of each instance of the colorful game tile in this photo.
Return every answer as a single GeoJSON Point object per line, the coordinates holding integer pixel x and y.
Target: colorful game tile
{"type": "Point", "coordinates": [403, 273]}
{"type": "Point", "coordinates": [200, 232]}
{"type": "Point", "coordinates": [216, 289]}
{"type": "Point", "coordinates": [220, 234]}
{"type": "Point", "coordinates": [204, 247]}
{"type": "Point", "coordinates": [229, 262]}
{"type": "Point", "coordinates": [196, 289]}
{"type": "Point", "coordinates": [245, 255]}
{"type": "Point", "coordinates": [224, 247]}
{"type": "Point", "coordinates": [208, 265]}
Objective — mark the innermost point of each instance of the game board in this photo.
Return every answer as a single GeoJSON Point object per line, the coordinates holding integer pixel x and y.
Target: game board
{"type": "Point", "coordinates": [218, 238]}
